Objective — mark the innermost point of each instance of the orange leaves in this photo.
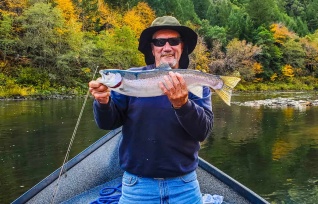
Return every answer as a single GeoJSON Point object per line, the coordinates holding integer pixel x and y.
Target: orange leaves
{"type": "Point", "coordinates": [139, 17]}
{"type": "Point", "coordinates": [258, 68]}
{"type": "Point", "coordinates": [281, 33]}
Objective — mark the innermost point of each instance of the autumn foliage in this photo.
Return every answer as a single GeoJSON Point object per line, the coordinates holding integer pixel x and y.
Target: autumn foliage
{"type": "Point", "coordinates": [66, 40]}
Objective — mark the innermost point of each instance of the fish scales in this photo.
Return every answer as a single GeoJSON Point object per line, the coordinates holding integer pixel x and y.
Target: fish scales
{"type": "Point", "coordinates": [146, 83]}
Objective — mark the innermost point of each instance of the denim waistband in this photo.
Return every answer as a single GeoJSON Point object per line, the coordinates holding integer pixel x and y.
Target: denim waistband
{"type": "Point", "coordinates": [164, 178]}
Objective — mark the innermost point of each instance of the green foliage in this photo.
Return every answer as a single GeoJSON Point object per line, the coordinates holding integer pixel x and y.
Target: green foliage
{"type": "Point", "coordinates": [183, 10]}
{"type": "Point", "coordinates": [218, 12]}
{"type": "Point", "coordinates": [212, 33]}
{"type": "Point", "coordinates": [32, 76]}
{"type": "Point", "coordinates": [41, 23]}
{"type": "Point", "coordinates": [7, 39]}
{"type": "Point", "coordinates": [271, 55]}
{"type": "Point", "coordinates": [262, 12]}
{"type": "Point", "coordinates": [293, 54]}
{"type": "Point", "coordinates": [41, 47]}
{"type": "Point", "coordinates": [239, 25]}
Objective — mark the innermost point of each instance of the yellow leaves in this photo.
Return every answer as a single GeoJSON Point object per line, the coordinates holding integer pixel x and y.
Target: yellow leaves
{"type": "Point", "coordinates": [139, 17]}
{"type": "Point", "coordinates": [109, 17]}
{"type": "Point", "coordinates": [13, 7]}
{"type": "Point", "coordinates": [258, 68]}
{"type": "Point", "coordinates": [199, 59]}
{"type": "Point", "coordinates": [67, 8]}
{"type": "Point", "coordinates": [288, 71]}
{"type": "Point", "coordinates": [274, 77]}
{"type": "Point", "coordinates": [281, 33]}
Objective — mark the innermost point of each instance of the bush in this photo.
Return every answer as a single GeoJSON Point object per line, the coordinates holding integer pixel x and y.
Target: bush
{"type": "Point", "coordinates": [32, 77]}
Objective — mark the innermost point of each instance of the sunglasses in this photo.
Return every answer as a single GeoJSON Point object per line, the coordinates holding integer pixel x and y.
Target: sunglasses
{"type": "Point", "coordinates": [160, 42]}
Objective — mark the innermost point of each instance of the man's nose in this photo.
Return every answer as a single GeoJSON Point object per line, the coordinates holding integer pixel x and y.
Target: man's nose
{"type": "Point", "coordinates": [167, 46]}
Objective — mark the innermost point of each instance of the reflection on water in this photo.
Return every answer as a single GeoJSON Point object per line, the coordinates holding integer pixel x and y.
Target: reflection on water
{"type": "Point", "coordinates": [272, 151]}
{"type": "Point", "coordinates": [34, 136]}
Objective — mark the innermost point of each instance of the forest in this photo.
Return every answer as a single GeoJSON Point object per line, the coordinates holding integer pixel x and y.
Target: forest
{"type": "Point", "coordinates": [55, 46]}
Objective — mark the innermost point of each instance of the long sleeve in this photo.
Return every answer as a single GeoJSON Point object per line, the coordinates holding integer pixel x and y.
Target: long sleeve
{"type": "Point", "coordinates": [196, 116]}
{"type": "Point", "coordinates": [112, 115]}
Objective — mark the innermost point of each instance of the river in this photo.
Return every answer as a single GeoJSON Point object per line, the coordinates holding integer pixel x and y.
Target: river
{"type": "Point", "coordinates": [273, 151]}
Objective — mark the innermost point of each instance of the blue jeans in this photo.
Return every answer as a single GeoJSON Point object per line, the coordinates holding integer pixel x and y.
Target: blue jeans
{"type": "Point", "coordinates": [184, 189]}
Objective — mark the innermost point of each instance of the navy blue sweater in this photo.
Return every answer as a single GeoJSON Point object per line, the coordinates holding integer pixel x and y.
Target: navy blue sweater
{"type": "Point", "coordinates": [158, 141]}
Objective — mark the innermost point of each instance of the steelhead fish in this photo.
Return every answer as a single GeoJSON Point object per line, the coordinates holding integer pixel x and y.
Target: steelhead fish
{"type": "Point", "coordinates": [146, 83]}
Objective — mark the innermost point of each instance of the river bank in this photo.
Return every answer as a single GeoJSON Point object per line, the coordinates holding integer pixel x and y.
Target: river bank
{"type": "Point", "coordinates": [273, 100]}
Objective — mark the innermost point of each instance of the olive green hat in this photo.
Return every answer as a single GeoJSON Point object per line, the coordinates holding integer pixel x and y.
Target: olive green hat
{"type": "Point", "coordinates": [188, 36]}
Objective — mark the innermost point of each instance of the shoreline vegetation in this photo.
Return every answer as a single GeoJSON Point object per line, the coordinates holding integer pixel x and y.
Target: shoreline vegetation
{"type": "Point", "coordinates": [30, 93]}
{"type": "Point", "coordinates": [51, 48]}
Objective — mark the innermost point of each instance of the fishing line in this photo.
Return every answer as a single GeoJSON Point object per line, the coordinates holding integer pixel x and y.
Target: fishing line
{"type": "Point", "coordinates": [71, 141]}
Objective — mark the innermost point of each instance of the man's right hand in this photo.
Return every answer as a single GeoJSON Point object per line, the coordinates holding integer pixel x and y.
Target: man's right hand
{"type": "Point", "coordinates": [100, 92]}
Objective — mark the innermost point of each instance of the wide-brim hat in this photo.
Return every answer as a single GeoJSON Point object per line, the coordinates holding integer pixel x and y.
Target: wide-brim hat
{"type": "Point", "coordinates": [188, 36]}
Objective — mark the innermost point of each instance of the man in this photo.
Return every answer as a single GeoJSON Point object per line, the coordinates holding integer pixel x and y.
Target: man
{"type": "Point", "coordinates": [161, 135]}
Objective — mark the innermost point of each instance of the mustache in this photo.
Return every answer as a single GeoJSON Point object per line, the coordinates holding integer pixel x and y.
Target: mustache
{"type": "Point", "coordinates": [167, 54]}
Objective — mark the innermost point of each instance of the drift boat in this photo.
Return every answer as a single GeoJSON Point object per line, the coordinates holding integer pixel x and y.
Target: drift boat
{"type": "Point", "coordinates": [97, 168]}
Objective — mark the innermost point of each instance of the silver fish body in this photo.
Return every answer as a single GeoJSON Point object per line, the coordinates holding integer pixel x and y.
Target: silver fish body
{"type": "Point", "coordinates": [146, 83]}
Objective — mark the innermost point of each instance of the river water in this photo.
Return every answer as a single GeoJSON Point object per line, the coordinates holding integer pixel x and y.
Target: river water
{"type": "Point", "coordinates": [273, 151]}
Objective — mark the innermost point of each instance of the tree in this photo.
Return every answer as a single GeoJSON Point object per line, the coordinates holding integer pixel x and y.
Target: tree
{"type": "Point", "coordinates": [68, 10]}
{"type": "Point", "coordinates": [293, 54]}
{"type": "Point", "coordinates": [262, 12]}
{"type": "Point", "coordinates": [7, 40]}
{"type": "Point", "coordinates": [218, 12]}
{"type": "Point", "coordinates": [239, 25]}
{"type": "Point", "coordinates": [310, 46]}
{"type": "Point", "coordinates": [217, 65]}
{"type": "Point", "coordinates": [13, 7]}
{"type": "Point", "coordinates": [88, 14]}
{"type": "Point", "coordinates": [109, 18]}
{"type": "Point", "coordinates": [212, 34]}
{"type": "Point", "coordinates": [44, 43]}
{"type": "Point", "coordinates": [41, 23]}
{"type": "Point", "coordinates": [199, 59]}
{"type": "Point", "coordinates": [117, 49]}
{"type": "Point", "coordinates": [240, 57]}
{"type": "Point", "coordinates": [311, 15]}
{"type": "Point", "coordinates": [183, 10]}
{"type": "Point", "coordinates": [281, 33]}
{"type": "Point", "coordinates": [288, 71]}
{"type": "Point", "coordinates": [271, 55]}
{"type": "Point", "coordinates": [139, 17]}
{"type": "Point", "coordinates": [201, 8]}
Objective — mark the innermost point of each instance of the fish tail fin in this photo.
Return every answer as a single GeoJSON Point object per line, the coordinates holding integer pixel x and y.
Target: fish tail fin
{"type": "Point", "coordinates": [225, 92]}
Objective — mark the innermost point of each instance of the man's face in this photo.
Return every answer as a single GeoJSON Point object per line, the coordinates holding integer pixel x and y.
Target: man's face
{"type": "Point", "coordinates": [164, 52]}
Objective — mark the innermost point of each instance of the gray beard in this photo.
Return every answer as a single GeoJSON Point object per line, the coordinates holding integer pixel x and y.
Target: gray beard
{"type": "Point", "coordinates": [171, 64]}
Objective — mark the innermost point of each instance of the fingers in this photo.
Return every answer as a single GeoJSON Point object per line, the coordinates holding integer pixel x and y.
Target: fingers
{"type": "Point", "coordinates": [175, 88]}
{"type": "Point", "coordinates": [99, 91]}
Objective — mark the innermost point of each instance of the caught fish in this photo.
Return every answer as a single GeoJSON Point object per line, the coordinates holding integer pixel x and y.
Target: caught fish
{"type": "Point", "coordinates": [146, 83]}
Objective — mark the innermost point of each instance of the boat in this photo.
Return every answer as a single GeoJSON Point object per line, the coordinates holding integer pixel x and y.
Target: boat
{"type": "Point", "coordinates": [81, 179]}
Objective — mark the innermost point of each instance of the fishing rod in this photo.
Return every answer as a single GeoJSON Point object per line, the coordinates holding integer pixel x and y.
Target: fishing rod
{"type": "Point", "coordinates": [72, 139]}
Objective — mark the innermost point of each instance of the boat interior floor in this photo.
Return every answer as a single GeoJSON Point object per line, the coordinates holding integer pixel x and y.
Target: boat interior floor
{"type": "Point", "coordinates": [93, 194]}
{"type": "Point", "coordinates": [207, 183]}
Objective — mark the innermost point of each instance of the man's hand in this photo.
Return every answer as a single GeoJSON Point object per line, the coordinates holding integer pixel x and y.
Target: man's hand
{"type": "Point", "coordinates": [100, 92]}
{"type": "Point", "coordinates": [175, 88]}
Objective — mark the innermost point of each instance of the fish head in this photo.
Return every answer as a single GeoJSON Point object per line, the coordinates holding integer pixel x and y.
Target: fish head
{"type": "Point", "coordinates": [110, 78]}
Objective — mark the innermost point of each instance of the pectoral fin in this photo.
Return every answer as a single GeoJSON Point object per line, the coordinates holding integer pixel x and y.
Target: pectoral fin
{"type": "Point", "coordinates": [196, 90]}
